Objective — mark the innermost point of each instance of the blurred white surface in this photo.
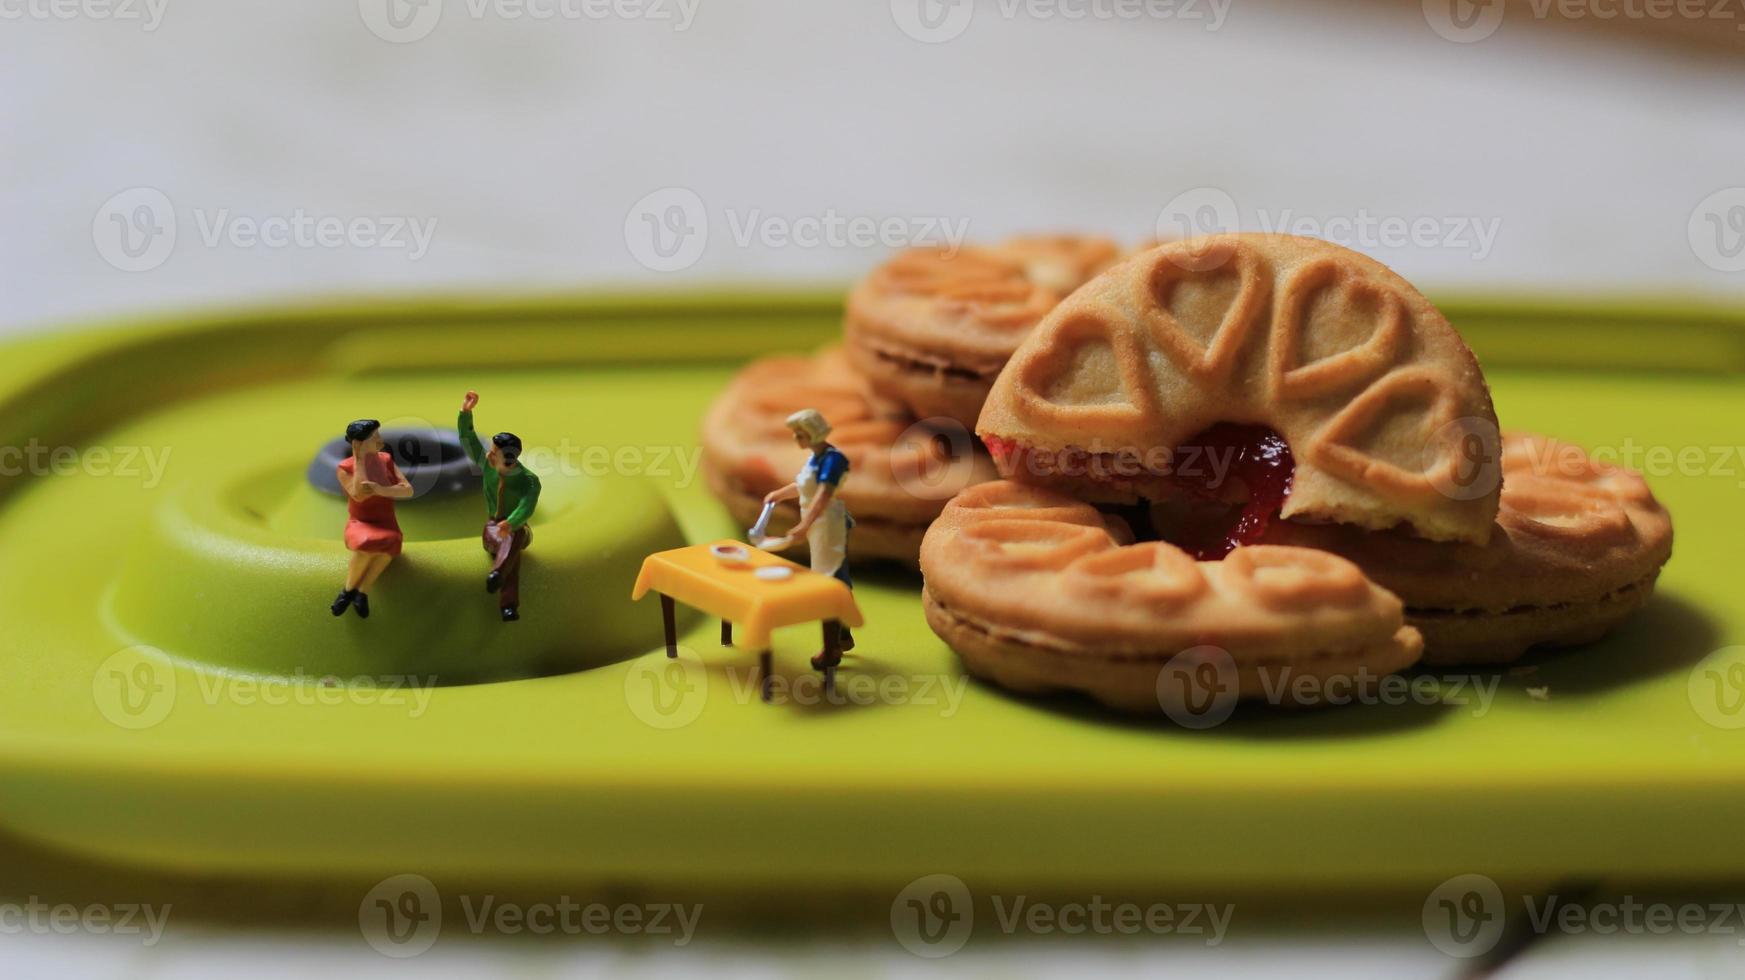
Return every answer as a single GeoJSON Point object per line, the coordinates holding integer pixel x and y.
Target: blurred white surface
{"type": "Point", "coordinates": [272, 956]}
{"type": "Point", "coordinates": [521, 147]}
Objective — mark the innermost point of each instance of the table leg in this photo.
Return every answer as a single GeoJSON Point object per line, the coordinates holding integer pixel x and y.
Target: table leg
{"type": "Point", "coordinates": [832, 643]}
{"type": "Point", "coordinates": [726, 633]}
{"type": "Point", "coordinates": [669, 617]}
{"type": "Point", "coordinates": [765, 668]}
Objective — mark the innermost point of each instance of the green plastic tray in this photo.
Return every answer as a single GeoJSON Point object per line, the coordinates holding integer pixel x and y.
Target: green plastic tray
{"type": "Point", "coordinates": [592, 755]}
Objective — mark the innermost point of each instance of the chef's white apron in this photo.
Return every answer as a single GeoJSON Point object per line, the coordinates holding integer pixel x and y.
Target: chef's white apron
{"type": "Point", "coordinates": [827, 539]}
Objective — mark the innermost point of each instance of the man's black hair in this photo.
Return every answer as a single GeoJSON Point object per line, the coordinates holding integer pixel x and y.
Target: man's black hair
{"type": "Point", "coordinates": [509, 443]}
{"type": "Point", "coordinates": [361, 429]}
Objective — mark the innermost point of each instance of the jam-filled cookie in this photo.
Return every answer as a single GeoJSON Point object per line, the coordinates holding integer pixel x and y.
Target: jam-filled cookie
{"type": "Point", "coordinates": [902, 472]}
{"type": "Point", "coordinates": [1326, 384]}
{"type": "Point", "coordinates": [931, 328]}
{"type": "Point", "coordinates": [1038, 592]}
{"type": "Point", "coordinates": [1577, 547]}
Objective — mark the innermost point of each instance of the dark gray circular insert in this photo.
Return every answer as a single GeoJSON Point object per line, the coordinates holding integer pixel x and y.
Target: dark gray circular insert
{"type": "Point", "coordinates": [432, 460]}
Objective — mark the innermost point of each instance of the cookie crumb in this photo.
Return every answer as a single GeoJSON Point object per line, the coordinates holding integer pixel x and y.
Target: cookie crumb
{"type": "Point", "coordinates": [1539, 693]}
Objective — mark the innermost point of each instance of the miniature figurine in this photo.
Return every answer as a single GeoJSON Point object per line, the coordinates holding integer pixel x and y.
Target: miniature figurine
{"type": "Point", "coordinates": [372, 483]}
{"type": "Point", "coordinates": [511, 493]}
{"type": "Point", "coordinates": [824, 521]}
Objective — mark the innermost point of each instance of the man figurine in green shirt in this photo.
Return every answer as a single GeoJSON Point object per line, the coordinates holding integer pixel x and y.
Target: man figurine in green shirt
{"type": "Point", "coordinates": [511, 493]}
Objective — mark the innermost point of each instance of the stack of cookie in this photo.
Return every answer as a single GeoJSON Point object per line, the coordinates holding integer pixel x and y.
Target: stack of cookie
{"type": "Point", "coordinates": [926, 334]}
{"type": "Point", "coordinates": [1337, 435]}
{"type": "Point", "coordinates": [1263, 456]}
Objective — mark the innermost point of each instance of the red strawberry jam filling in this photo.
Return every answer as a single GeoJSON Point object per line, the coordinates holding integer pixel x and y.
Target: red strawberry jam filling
{"type": "Point", "coordinates": [1201, 469]}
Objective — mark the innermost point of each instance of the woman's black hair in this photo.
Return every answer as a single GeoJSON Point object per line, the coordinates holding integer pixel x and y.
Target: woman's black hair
{"type": "Point", "coordinates": [361, 429]}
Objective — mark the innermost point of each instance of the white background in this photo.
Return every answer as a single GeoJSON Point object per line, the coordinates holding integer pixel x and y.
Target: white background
{"type": "Point", "coordinates": [528, 142]}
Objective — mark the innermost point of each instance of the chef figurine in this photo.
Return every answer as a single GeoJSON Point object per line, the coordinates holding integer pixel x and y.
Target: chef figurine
{"type": "Point", "coordinates": [824, 521]}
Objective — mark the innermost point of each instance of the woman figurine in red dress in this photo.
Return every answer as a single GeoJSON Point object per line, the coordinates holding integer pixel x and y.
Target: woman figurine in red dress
{"type": "Point", "coordinates": [372, 483]}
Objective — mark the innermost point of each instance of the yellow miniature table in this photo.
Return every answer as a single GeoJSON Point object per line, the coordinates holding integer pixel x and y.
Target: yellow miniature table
{"type": "Point", "coordinates": [729, 579]}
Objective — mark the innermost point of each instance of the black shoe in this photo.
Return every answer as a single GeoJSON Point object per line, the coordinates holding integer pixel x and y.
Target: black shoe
{"type": "Point", "coordinates": [823, 660]}
{"type": "Point", "coordinates": [494, 581]}
{"type": "Point", "coordinates": [339, 604]}
{"type": "Point", "coordinates": [847, 640]}
{"type": "Point", "coordinates": [510, 615]}
{"type": "Point", "coordinates": [360, 603]}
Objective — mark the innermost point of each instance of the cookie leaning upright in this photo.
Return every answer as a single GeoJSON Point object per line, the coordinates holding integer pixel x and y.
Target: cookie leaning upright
{"type": "Point", "coordinates": [1376, 394]}
{"type": "Point", "coordinates": [902, 473]}
{"type": "Point", "coordinates": [931, 328]}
